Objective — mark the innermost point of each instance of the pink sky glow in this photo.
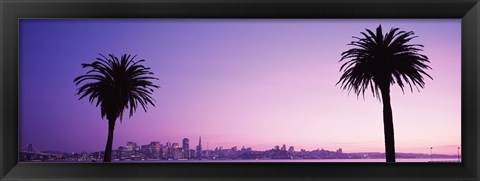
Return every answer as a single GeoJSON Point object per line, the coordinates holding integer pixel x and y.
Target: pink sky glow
{"type": "Point", "coordinates": [252, 83]}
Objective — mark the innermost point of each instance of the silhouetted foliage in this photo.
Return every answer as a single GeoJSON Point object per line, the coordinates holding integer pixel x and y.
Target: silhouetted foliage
{"type": "Point", "coordinates": [378, 61]}
{"type": "Point", "coordinates": [116, 84]}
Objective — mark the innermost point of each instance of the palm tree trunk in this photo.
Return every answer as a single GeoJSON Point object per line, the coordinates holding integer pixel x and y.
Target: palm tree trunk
{"type": "Point", "coordinates": [108, 148]}
{"type": "Point", "coordinates": [388, 124]}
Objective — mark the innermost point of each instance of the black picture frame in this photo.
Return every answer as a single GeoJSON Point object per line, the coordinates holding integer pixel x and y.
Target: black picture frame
{"type": "Point", "coordinates": [11, 11]}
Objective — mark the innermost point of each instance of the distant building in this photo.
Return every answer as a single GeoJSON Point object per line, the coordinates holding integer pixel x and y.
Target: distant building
{"type": "Point", "coordinates": [172, 150]}
{"type": "Point", "coordinates": [162, 152]}
{"type": "Point", "coordinates": [146, 151]}
{"type": "Point", "coordinates": [156, 147]}
{"type": "Point", "coordinates": [339, 151]}
{"type": "Point", "coordinates": [178, 153]}
{"type": "Point", "coordinates": [291, 149]}
{"type": "Point", "coordinates": [192, 154]}
{"type": "Point", "coordinates": [131, 146]}
{"type": "Point", "coordinates": [186, 148]}
{"type": "Point", "coordinates": [122, 153]}
{"type": "Point", "coordinates": [84, 157]}
{"type": "Point", "coordinates": [199, 149]}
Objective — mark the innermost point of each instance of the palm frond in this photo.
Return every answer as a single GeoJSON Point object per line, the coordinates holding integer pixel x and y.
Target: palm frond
{"type": "Point", "coordinates": [377, 60]}
{"type": "Point", "coordinates": [115, 84]}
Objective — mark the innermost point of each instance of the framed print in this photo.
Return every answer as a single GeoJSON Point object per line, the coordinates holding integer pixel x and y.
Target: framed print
{"type": "Point", "coordinates": [245, 90]}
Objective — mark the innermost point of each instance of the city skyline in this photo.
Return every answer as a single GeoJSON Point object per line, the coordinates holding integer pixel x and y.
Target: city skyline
{"type": "Point", "coordinates": [196, 151]}
{"type": "Point", "coordinates": [235, 82]}
{"type": "Point", "coordinates": [173, 151]}
{"type": "Point", "coordinates": [185, 141]}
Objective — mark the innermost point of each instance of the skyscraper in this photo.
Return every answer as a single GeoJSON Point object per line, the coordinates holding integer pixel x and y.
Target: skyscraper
{"type": "Point", "coordinates": [155, 146]}
{"type": "Point", "coordinates": [291, 149]}
{"type": "Point", "coordinates": [186, 148]}
{"type": "Point", "coordinates": [199, 148]}
{"type": "Point", "coordinates": [131, 146]}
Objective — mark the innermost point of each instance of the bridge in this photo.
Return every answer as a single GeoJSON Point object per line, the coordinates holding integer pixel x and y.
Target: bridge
{"type": "Point", "coordinates": [30, 152]}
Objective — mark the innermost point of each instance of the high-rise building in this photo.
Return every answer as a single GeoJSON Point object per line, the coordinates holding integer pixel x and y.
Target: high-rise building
{"type": "Point", "coordinates": [192, 153]}
{"type": "Point", "coordinates": [146, 151]}
{"type": "Point", "coordinates": [155, 146]}
{"type": "Point", "coordinates": [277, 147]}
{"type": "Point", "coordinates": [131, 146]}
{"type": "Point", "coordinates": [175, 151]}
{"type": "Point", "coordinates": [84, 156]}
{"type": "Point", "coordinates": [199, 149]}
{"type": "Point", "coordinates": [291, 149]}
{"type": "Point", "coordinates": [162, 152]}
{"type": "Point", "coordinates": [339, 151]}
{"type": "Point", "coordinates": [178, 153]}
{"type": "Point", "coordinates": [171, 150]}
{"type": "Point", "coordinates": [186, 148]}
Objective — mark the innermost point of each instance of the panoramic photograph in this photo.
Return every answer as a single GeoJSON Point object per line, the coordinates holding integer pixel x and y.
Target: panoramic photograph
{"type": "Point", "coordinates": [239, 90]}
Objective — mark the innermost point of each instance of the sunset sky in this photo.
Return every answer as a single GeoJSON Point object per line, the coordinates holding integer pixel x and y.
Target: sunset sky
{"type": "Point", "coordinates": [252, 83]}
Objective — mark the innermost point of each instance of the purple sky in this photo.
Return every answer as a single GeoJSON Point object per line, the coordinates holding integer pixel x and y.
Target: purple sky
{"type": "Point", "coordinates": [257, 83]}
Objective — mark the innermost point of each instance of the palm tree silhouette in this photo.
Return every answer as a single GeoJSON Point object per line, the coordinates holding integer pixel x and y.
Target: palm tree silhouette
{"type": "Point", "coordinates": [378, 61]}
{"type": "Point", "coordinates": [116, 84]}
